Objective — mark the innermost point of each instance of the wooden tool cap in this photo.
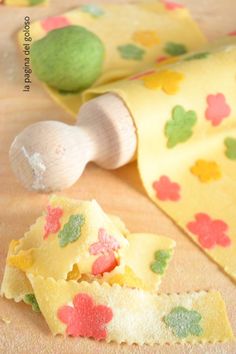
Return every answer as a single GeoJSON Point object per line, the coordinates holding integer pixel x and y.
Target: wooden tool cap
{"type": "Point", "coordinates": [50, 155]}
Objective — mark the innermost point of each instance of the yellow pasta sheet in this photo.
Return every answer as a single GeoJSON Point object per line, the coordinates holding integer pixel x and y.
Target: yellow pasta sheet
{"type": "Point", "coordinates": [185, 113]}
{"type": "Point", "coordinates": [90, 277]}
{"type": "Point", "coordinates": [103, 250]}
{"type": "Point", "coordinates": [142, 34]}
{"type": "Point", "coordinates": [131, 315]}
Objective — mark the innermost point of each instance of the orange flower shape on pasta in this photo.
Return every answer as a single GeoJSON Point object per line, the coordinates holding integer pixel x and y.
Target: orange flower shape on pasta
{"type": "Point", "coordinates": [146, 38]}
{"type": "Point", "coordinates": [166, 80]}
{"type": "Point", "coordinates": [206, 171]}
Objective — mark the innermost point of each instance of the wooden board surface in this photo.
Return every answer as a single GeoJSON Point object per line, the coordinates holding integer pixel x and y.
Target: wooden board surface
{"type": "Point", "coordinates": [119, 192]}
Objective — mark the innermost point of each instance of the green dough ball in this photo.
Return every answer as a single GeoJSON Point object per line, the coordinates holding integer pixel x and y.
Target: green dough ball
{"type": "Point", "coordinates": [68, 59]}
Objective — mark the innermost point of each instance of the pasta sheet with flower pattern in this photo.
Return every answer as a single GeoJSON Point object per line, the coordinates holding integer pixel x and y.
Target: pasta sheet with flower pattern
{"type": "Point", "coordinates": [82, 268]}
{"type": "Point", "coordinates": [134, 36]}
{"type": "Point", "coordinates": [185, 115]}
{"type": "Point", "coordinates": [90, 277]}
{"type": "Point", "coordinates": [187, 158]}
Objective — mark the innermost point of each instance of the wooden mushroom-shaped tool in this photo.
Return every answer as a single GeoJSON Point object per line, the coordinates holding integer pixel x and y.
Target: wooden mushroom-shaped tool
{"type": "Point", "coordinates": [50, 155]}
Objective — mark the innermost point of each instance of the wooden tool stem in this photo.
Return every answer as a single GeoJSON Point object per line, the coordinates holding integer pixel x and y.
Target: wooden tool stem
{"type": "Point", "coordinates": [110, 128]}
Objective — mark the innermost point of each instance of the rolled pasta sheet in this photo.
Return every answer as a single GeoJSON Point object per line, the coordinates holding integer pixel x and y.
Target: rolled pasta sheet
{"type": "Point", "coordinates": [134, 36]}
{"type": "Point", "coordinates": [184, 113]}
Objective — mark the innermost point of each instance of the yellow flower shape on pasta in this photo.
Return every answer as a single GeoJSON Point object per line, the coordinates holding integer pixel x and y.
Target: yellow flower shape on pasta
{"type": "Point", "coordinates": [206, 171]}
{"type": "Point", "coordinates": [22, 261]}
{"type": "Point", "coordinates": [166, 80]}
{"type": "Point", "coordinates": [146, 38]}
{"type": "Point", "coordinates": [74, 274]}
{"type": "Point", "coordinates": [127, 279]}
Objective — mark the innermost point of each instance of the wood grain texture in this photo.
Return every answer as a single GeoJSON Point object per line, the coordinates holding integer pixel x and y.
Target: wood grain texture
{"type": "Point", "coordinates": [119, 192]}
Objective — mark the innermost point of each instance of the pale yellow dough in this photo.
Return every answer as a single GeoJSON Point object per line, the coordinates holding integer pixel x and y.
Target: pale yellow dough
{"type": "Point", "coordinates": [36, 266]}
{"type": "Point", "coordinates": [33, 254]}
{"type": "Point", "coordinates": [152, 109]}
{"type": "Point", "coordinates": [137, 315]}
{"type": "Point", "coordinates": [129, 23]}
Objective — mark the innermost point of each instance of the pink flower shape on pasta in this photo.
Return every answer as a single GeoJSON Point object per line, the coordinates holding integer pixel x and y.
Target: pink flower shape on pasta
{"type": "Point", "coordinates": [52, 224]}
{"type": "Point", "coordinates": [166, 189]}
{"type": "Point", "coordinates": [105, 244]}
{"type": "Point", "coordinates": [217, 109]}
{"type": "Point", "coordinates": [52, 23]}
{"type": "Point", "coordinates": [105, 263]}
{"type": "Point", "coordinates": [170, 5]}
{"type": "Point", "coordinates": [233, 33]}
{"type": "Point", "coordinates": [85, 319]}
{"type": "Point", "coordinates": [210, 232]}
